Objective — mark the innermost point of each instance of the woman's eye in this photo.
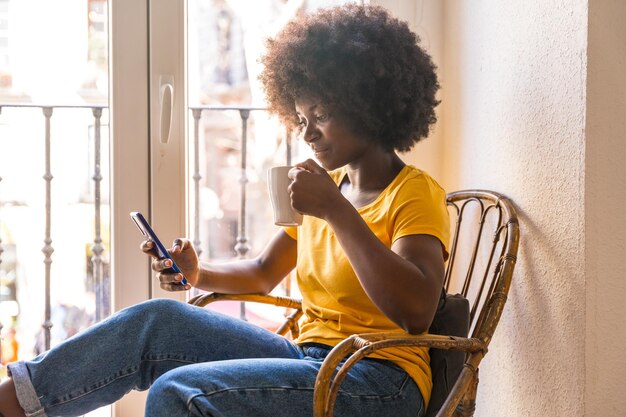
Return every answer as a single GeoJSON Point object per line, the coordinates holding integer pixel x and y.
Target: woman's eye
{"type": "Point", "coordinates": [322, 117]}
{"type": "Point", "coordinates": [302, 123]}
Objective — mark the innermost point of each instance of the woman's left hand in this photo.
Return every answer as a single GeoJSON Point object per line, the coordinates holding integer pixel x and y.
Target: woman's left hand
{"type": "Point", "coordinates": [313, 191]}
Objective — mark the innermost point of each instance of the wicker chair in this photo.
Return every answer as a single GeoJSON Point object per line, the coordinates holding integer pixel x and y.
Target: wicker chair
{"type": "Point", "coordinates": [485, 239]}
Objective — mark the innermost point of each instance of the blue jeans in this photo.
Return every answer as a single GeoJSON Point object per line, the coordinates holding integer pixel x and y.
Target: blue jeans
{"type": "Point", "coordinates": [197, 362]}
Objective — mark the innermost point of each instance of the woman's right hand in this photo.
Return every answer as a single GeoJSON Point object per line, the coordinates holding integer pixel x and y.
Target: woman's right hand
{"type": "Point", "coordinates": [185, 256]}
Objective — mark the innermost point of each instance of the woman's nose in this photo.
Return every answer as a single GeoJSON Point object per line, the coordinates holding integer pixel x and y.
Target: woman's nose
{"type": "Point", "coordinates": [310, 133]}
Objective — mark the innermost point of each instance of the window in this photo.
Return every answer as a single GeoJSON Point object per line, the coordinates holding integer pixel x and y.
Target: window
{"type": "Point", "coordinates": [236, 141]}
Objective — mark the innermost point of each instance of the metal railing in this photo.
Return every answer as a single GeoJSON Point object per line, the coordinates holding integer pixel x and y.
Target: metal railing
{"type": "Point", "coordinates": [97, 248]}
{"type": "Point", "coordinates": [242, 245]}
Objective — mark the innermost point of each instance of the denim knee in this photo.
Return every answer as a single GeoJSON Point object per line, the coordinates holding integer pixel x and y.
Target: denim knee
{"type": "Point", "coordinates": [156, 310]}
{"type": "Point", "coordinates": [157, 307]}
{"type": "Point", "coordinates": [167, 397]}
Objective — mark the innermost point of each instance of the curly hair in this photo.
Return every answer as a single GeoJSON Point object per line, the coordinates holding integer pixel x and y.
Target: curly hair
{"type": "Point", "coordinates": [363, 62]}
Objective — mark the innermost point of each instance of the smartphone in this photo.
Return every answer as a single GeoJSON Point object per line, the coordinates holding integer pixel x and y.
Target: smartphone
{"type": "Point", "coordinates": [162, 253]}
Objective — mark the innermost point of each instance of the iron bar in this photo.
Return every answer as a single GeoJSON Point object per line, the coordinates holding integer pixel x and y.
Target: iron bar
{"type": "Point", "coordinates": [47, 249]}
{"type": "Point", "coordinates": [288, 151]}
{"type": "Point", "coordinates": [196, 180]}
{"type": "Point", "coordinates": [242, 247]}
{"type": "Point", "coordinates": [97, 249]}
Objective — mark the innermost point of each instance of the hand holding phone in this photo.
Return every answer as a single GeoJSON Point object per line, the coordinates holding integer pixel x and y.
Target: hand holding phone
{"type": "Point", "coordinates": [162, 253]}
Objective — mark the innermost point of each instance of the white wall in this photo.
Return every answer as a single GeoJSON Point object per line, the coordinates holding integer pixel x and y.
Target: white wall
{"type": "Point", "coordinates": [514, 103]}
{"type": "Point", "coordinates": [534, 106]}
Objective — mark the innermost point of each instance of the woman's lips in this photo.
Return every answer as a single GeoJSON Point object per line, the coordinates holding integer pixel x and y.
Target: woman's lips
{"type": "Point", "coordinates": [318, 152]}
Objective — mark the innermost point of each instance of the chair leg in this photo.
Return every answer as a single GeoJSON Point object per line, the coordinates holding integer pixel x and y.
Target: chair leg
{"type": "Point", "coordinates": [467, 406]}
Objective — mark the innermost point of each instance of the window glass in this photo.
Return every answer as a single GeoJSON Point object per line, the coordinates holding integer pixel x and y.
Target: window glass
{"type": "Point", "coordinates": [54, 174]}
{"type": "Point", "coordinates": [225, 40]}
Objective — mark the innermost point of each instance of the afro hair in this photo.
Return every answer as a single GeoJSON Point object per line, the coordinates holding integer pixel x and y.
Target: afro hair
{"type": "Point", "coordinates": [361, 60]}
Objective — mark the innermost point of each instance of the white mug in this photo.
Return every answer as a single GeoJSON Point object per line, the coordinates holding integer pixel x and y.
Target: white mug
{"type": "Point", "coordinates": [278, 182]}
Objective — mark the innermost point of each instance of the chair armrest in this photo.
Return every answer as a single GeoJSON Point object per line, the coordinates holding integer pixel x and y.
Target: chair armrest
{"type": "Point", "coordinates": [204, 299]}
{"type": "Point", "coordinates": [370, 342]}
{"type": "Point", "coordinates": [289, 325]}
{"type": "Point", "coordinates": [360, 345]}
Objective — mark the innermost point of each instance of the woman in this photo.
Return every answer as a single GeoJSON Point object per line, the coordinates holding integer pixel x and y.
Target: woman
{"type": "Point", "coordinates": [369, 255]}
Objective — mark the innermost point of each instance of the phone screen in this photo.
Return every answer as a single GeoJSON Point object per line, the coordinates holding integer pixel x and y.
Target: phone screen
{"type": "Point", "coordinates": [146, 230]}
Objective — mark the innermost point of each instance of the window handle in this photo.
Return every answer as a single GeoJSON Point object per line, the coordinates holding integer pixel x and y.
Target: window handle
{"type": "Point", "coordinates": [167, 106]}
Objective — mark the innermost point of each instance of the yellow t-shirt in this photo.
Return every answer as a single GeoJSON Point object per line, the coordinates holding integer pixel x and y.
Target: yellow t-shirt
{"type": "Point", "coordinates": [334, 303]}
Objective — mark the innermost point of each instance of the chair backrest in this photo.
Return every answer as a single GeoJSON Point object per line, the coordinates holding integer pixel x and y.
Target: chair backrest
{"type": "Point", "coordinates": [483, 253]}
{"type": "Point", "coordinates": [478, 276]}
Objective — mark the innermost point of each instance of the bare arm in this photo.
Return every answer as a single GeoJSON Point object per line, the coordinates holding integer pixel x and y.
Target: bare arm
{"type": "Point", "coordinates": [404, 281]}
{"type": "Point", "coordinates": [257, 275]}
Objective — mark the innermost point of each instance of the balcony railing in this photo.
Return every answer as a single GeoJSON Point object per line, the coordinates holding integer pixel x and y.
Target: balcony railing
{"type": "Point", "coordinates": [242, 243]}
{"type": "Point", "coordinates": [97, 247]}
{"type": "Point", "coordinates": [242, 246]}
